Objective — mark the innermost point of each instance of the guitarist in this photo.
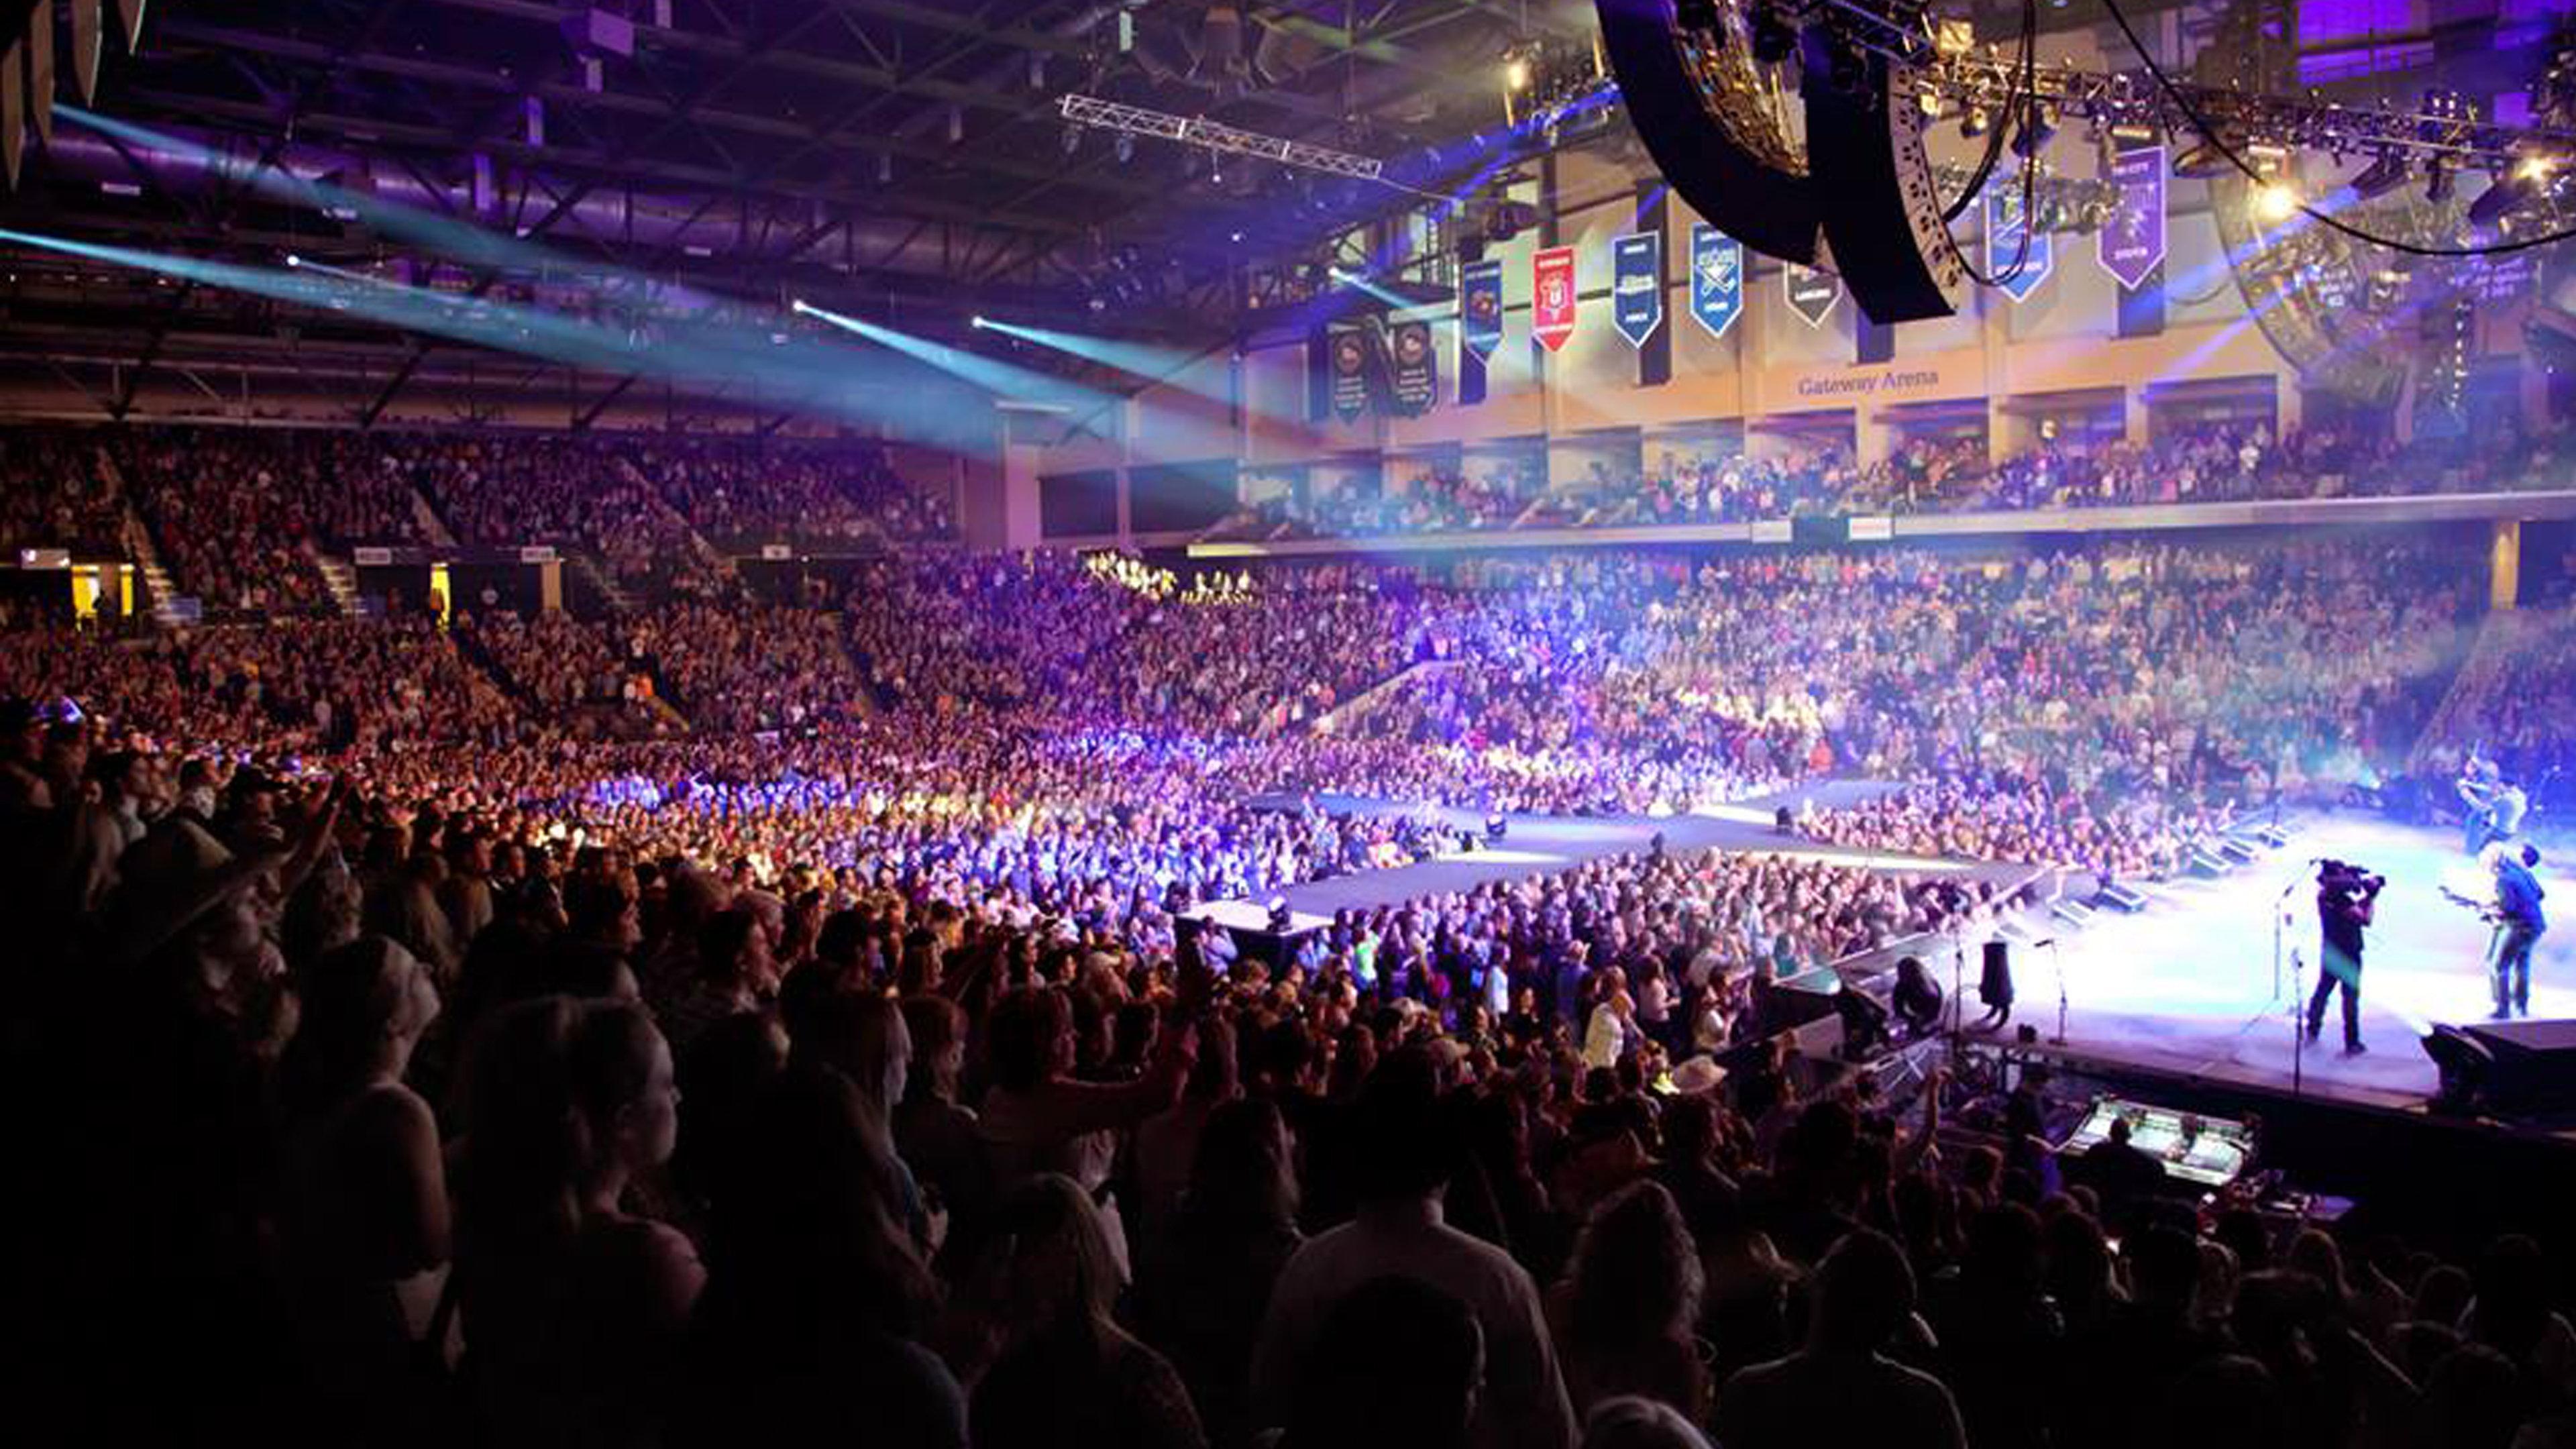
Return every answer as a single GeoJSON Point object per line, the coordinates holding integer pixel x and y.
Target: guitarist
{"type": "Point", "coordinates": [2519, 924]}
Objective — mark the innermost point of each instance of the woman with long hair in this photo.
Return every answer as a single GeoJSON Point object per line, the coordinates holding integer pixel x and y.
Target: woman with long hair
{"type": "Point", "coordinates": [576, 1344]}
{"type": "Point", "coordinates": [816, 1297]}
{"type": "Point", "coordinates": [1063, 1371]}
{"type": "Point", "coordinates": [1203, 1287]}
{"type": "Point", "coordinates": [365, 1221]}
{"type": "Point", "coordinates": [1627, 1310]}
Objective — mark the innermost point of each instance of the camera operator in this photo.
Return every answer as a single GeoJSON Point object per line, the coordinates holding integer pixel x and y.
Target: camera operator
{"type": "Point", "coordinates": [2346, 897]}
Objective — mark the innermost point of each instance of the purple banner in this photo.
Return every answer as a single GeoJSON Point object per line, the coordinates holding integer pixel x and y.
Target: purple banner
{"type": "Point", "coordinates": [2133, 240]}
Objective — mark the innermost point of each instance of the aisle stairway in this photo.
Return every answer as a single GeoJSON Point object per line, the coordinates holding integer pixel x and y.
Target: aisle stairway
{"type": "Point", "coordinates": [2498, 635]}
{"type": "Point", "coordinates": [136, 536]}
{"type": "Point", "coordinates": [340, 577]}
{"type": "Point", "coordinates": [1361, 705]}
{"type": "Point", "coordinates": [432, 527]}
{"type": "Point", "coordinates": [599, 580]}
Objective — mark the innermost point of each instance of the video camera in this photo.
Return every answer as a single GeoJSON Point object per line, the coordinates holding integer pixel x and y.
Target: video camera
{"type": "Point", "coordinates": [2345, 876]}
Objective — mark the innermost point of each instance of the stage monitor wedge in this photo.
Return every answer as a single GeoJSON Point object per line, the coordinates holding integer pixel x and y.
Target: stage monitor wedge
{"type": "Point", "coordinates": [1697, 101]}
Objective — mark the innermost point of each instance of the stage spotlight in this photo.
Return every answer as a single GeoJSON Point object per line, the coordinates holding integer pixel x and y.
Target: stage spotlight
{"type": "Point", "coordinates": [1516, 73]}
{"type": "Point", "coordinates": [2276, 202]}
{"type": "Point", "coordinates": [293, 260]}
{"type": "Point", "coordinates": [2386, 172]}
{"type": "Point", "coordinates": [1125, 148]}
{"type": "Point", "coordinates": [977, 322]}
{"type": "Point", "coordinates": [1976, 122]}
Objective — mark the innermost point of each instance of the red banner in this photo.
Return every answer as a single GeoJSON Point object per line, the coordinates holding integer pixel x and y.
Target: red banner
{"type": "Point", "coordinates": [1552, 294]}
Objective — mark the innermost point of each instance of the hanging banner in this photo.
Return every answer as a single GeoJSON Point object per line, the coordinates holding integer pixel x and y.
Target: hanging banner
{"type": "Point", "coordinates": [1812, 294]}
{"type": "Point", "coordinates": [2132, 243]}
{"type": "Point", "coordinates": [2004, 244]}
{"type": "Point", "coordinates": [1637, 285]}
{"type": "Point", "coordinates": [1480, 307]}
{"type": "Point", "coordinates": [1552, 297]}
{"type": "Point", "coordinates": [1350, 372]}
{"type": "Point", "coordinates": [1415, 384]}
{"type": "Point", "coordinates": [1717, 278]}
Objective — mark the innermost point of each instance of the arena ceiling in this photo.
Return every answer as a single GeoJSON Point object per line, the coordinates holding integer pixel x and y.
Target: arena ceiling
{"type": "Point", "coordinates": [874, 155]}
{"type": "Point", "coordinates": [861, 152]}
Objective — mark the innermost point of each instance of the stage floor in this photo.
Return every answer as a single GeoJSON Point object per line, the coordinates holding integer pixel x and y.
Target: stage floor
{"type": "Point", "coordinates": [2186, 986]}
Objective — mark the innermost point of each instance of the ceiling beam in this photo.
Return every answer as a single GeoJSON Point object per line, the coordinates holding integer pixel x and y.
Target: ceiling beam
{"type": "Point", "coordinates": [577, 98]}
{"type": "Point", "coordinates": [372, 131]}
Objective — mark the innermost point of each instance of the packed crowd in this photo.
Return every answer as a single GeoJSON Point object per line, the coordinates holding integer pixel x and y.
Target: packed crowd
{"type": "Point", "coordinates": [1946, 472]}
{"type": "Point", "coordinates": [2511, 705]}
{"type": "Point", "coordinates": [236, 514]}
{"type": "Point", "coordinates": [2102, 708]}
{"type": "Point", "coordinates": [359, 1116]}
{"type": "Point", "coordinates": [566, 668]}
{"type": "Point", "coordinates": [53, 493]}
{"type": "Point", "coordinates": [289, 688]}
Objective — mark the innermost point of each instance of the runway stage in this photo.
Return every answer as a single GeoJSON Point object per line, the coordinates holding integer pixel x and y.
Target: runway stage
{"type": "Point", "coordinates": [2186, 986]}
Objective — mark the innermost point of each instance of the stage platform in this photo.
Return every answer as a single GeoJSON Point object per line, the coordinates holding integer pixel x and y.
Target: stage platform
{"type": "Point", "coordinates": [2184, 989]}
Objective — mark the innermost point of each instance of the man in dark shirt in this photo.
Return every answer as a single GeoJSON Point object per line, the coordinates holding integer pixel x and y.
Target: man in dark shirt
{"type": "Point", "coordinates": [2519, 923]}
{"type": "Point", "coordinates": [2120, 1173]}
{"type": "Point", "coordinates": [2346, 898]}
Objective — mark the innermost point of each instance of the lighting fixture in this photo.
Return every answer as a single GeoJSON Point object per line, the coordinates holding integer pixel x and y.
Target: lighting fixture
{"type": "Point", "coordinates": [2276, 202]}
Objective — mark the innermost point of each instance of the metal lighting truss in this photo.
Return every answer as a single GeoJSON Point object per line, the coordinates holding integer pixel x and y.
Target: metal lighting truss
{"type": "Point", "coordinates": [1214, 136]}
{"type": "Point", "coordinates": [1961, 75]}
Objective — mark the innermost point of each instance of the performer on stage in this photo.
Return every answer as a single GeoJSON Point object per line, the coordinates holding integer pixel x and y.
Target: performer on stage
{"type": "Point", "coordinates": [2477, 789]}
{"type": "Point", "coordinates": [2347, 897]}
{"type": "Point", "coordinates": [2519, 924]}
{"type": "Point", "coordinates": [2494, 806]}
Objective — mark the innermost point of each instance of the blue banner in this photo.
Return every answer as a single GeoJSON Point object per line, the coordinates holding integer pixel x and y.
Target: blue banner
{"type": "Point", "coordinates": [2004, 234]}
{"type": "Point", "coordinates": [1717, 278]}
{"type": "Point", "coordinates": [1480, 307]}
{"type": "Point", "coordinates": [1637, 285]}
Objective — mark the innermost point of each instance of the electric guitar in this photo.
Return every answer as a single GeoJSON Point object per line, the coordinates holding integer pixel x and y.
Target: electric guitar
{"type": "Point", "coordinates": [2486, 910]}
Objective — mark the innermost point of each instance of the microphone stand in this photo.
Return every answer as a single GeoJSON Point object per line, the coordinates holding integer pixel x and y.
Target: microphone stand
{"type": "Point", "coordinates": [2057, 963]}
{"type": "Point", "coordinates": [2280, 919]}
{"type": "Point", "coordinates": [2298, 1028]}
{"type": "Point", "coordinates": [2298, 995]}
